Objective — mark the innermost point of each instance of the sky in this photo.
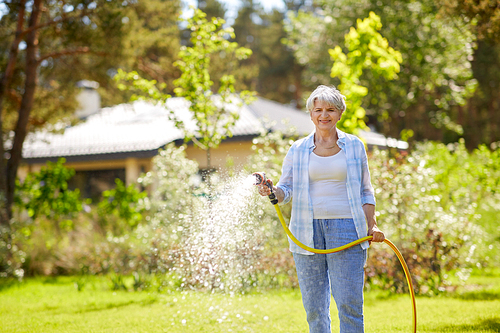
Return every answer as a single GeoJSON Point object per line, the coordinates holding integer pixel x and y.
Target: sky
{"type": "Point", "coordinates": [232, 6]}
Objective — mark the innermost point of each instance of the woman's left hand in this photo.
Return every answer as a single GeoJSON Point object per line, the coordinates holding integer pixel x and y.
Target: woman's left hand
{"type": "Point", "coordinates": [378, 235]}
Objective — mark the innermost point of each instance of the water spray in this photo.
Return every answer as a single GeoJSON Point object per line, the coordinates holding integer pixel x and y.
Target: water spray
{"type": "Point", "coordinates": [260, 179]}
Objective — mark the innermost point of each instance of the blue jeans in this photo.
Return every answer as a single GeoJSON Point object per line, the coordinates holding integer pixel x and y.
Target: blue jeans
{"type": "Point", "coordinates": [341, 272]}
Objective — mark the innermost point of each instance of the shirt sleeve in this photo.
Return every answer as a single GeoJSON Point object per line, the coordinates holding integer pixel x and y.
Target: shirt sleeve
{"type": "Point", "coordinates": [367, 192]}
{"type": "Point", "coordinates": [286, 180]}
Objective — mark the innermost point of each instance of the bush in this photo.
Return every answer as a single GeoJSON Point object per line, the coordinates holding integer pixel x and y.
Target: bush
{"type": "Point", "coordinates": [45, 194]}
{"type": "Point", "coordinates": [175, 187]}
{"type": "Point", "coordinates": [52, 235]}
{"type": "Point", "coordinates": [435, 226]}
{"type": "Point", "coordinates": [120, 209]}
{"type": "Point", "coordinates": [43, 206]}
{"type": "Point", "coordinates": [183, 236]}
{"type": "Point", "coordinates": [427, 205]}
{"type": "Point", "coordinates": [215, 238]}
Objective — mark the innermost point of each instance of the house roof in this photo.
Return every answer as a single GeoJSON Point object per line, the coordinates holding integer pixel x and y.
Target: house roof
{"type": "Point", "coordinates": [141, 127]}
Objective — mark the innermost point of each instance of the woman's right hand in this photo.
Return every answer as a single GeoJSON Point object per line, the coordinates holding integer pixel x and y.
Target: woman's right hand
{"type": "Point", "coordinates": [264, 190]}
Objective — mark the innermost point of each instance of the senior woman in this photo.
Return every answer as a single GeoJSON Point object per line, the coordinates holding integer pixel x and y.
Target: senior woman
{"type": "Point", "coordinates": [326, 176]}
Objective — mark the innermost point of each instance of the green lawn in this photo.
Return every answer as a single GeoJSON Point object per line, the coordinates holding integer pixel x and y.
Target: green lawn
{"type": "Point", "coordinates": [55, 305]}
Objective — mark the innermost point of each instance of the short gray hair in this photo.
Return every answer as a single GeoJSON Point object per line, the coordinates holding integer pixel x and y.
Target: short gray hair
{"type": "Point", "coordinates": [328, 94]}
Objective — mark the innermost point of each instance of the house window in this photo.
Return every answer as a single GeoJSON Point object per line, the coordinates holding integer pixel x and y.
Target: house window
{"type": "Point", "coordinates": [92, 183]}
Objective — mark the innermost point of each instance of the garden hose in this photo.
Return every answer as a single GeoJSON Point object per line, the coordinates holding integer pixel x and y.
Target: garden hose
{"type": "Point", "coordinates": [261, 180]}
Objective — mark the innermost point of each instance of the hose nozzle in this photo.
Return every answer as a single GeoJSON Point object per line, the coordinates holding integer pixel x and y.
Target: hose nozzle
{"type": "Point", "coordinates": [260, 179]}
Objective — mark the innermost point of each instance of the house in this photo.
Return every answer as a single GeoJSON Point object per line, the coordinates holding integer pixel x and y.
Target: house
{"type": "Point", "coordinates": [120, 141]}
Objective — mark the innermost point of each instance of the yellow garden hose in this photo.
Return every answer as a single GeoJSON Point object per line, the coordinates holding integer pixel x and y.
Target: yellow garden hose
{"type": "Point", "coordinates": [356, 242]}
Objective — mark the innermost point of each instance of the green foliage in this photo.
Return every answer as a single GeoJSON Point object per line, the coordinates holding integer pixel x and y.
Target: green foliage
{"type": "Point", "coordinates": [435, 74]}
{"type": "Point", "coordinates": [368, 50]}
{"type": "Point", "coordinates": [139, 87]}
{"type": "Point", "coordinates": [271, 69]}
{"type": "Point", "coordinates": [46, 194]}
{"type": "Point", "coordinates": [428, 204]}
{"type": "Point", "coordinates": [45, 213]}
{"type": "Point", "coordinates": [125, 203]}
{"type": "Point", "coordinates": [51, 234]}
{"type": "Point", "coordinates": [472, 176]}
{"type": "Point", "coordinates": [175, 190]}
{"type": "Point", "coordinates": [213, 117]}
{"type": "Point", "coordinates": [471, 179]}
{"type": "Point", "coordinates": [484, 14]}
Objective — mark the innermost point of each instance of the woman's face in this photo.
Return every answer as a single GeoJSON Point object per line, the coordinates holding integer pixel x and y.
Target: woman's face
{"type": "Point", "coordinates": [324, 116]}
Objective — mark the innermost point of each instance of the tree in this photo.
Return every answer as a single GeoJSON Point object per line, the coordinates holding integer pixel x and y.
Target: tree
{"type": "Point", "coordinates": [50, 45]}
{"type": "Point", "coordinates": [367, 50]}
{"type": "Point", "coordinates": [213, 114]}
{"type": "Point", "coordinates": [150, 46]}
{"type": "Point", "coordinates": [270, 70]}
{"type": "Point", "coordinates": [480, 116]}
{"type": "Point", "coordinates": [212, 8]}
{"type": "Point", "coordinates": [485, 15]}
{"type": "Point", "coordinates": [213, 118]}
{"type": "Point", "coordinates": [435, 73]}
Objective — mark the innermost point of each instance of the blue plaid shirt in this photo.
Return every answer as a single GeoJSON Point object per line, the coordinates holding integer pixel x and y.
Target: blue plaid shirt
{"type": "Point", "coordinates": [294, 182]}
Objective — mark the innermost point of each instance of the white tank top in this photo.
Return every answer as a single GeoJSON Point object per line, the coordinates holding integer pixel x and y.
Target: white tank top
{"type": "Point", "coordinates": [328, 186]}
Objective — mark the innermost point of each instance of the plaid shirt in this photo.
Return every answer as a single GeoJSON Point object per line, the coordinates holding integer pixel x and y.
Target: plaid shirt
{"type": "Point", "coordinates": [295, 180]}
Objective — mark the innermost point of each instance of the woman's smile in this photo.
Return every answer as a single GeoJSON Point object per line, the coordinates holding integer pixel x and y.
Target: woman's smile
{"type": "Point", "coordinates": [325, 116]}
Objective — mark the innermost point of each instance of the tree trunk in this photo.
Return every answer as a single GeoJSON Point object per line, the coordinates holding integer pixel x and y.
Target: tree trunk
{"type": "Point", "coordinates": [209, 159]}
{"type": "Point", "coordinates": [5, 212]}
{"type": "Point", "coordinates": [26, 103]}
{"type": "Point", "coordinates": [208, 172]}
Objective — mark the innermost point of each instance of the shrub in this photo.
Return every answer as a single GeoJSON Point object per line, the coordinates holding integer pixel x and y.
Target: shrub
{"type": "Point", "coordinates": [175, 187]}
{"type": "Point", "coordinates": [424, 209]}
{"type": "Point", "coordinates": [230, 239]}
{"type": "Point", "coordinates": [196, 237]}
{"type": "Point", "coordinates": [43, 206]}
{"type": "Point", "coordinates": [46, 194]}
{"type": "Point", "coordinates": [120, 209]}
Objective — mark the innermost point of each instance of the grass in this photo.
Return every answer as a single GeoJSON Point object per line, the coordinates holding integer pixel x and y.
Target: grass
{"type": "Point", "coordinates": [56, 305]}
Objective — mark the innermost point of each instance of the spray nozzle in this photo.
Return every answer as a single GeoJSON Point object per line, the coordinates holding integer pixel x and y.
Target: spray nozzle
{"type": "Point", "coordinates": [260, 179]}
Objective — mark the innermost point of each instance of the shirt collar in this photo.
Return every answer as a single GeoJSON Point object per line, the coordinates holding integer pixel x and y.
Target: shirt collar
{"type": "Point", "coordinates": [310, 140]}
{"type": "Point", "coordinates": [342, 137]}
